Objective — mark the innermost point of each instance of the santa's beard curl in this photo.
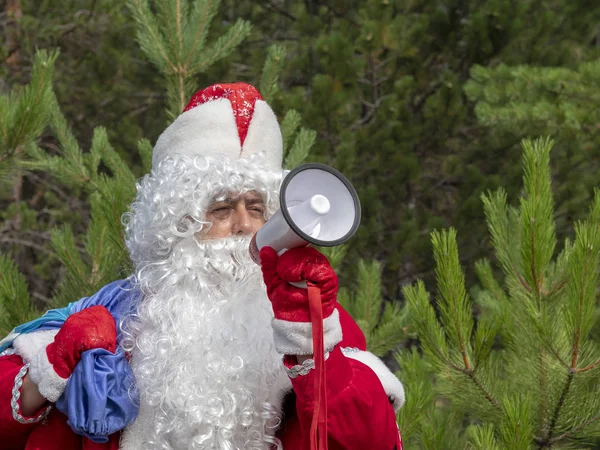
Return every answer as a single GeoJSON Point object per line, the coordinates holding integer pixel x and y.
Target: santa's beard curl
{"type": "Point", "coordinates": [200, 339]}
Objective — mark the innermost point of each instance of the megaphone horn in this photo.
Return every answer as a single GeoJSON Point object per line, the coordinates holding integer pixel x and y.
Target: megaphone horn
{"type": "Point", "coordinates": [318, 205]}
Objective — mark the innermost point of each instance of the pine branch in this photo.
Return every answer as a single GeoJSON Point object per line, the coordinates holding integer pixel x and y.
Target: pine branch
{"type": "Point", "coordinates": [149, 35]}
{"type": "Point", "coordinates": [15, 303]}
{"type": "Point", "coordinates": [301, 148]}
{"type": "Point", "coordinates": [570, 433]}
{"type": "Point", "coordinates": [197, 43]}
{"type": "Point", "coordinates": [63, 243]}
{"type": "Point", "coordinates": [101, 146]}
{"type": "Point", "coordinates": [335, 254]}
{"type": "Point", "coordinates": [369, 292]}
{"type": "Point", "coordinates": [289, 125]}
{"type": "Point", "coordinates": [144, 147]}
{"type": "Point", "coordinates": [534, 276]}
{"type": "Point", "coordinates": [487, 394]}
{"type": "Point", "coordinates": [482, 437]}
{"type": "Point", "coordinates": [516, 427]}
{"type": "Point", "coordinates": [543, 390]}
{"type": "Point", "coordinates": [483, 339]}
{"type": "Point", "coordinates": [453, 301]}
{"type": "Point", "coordinates": [555, 288]}
{"type": "Point", "coordinates": [179, 15]}
{"type": "Point", "coordinates": [96, 260]}
{"type": "Point", "coordinates": [555, 353]}
{"type": "Point", "coordinates": [278, 9]}
{"type": "Point", "coordinates": [389, 332]}
{"type": "Point", "coordinates": [5, 110]}
{"type": "Point", "coordinates": [271, 70]}
{"type": "Point", "coordinates": [537, 221]}
{"type": "Point", "coordinates": [547, 442]}
{"type": "Point", "coordinates": [25, 112]}
{"type": "Point", "coordinates": [502, 230]}
{"type": "Point", "coordinates": [432, 335]}
{"type": "Point", "coordinates": [487, 279]}
{"type": "Point", "coordinates": [426, 324]}
{"type": "Point", "coordinates": [577, 336]}
{"type": "Point", "coordinates": [181, 90]}
{"type": "Point", "coordinates": [583, 273]}
{"type": "Point", "coordinates": [72, 170]}
{"type": "Point", "coordinates": [224, 45]}
{"type": "Point", "coordinates": [589, 367]}
{"type": "Point", "coordinates": [41, 77]}
{"type": "Point", "coordinates": [26, 243]}
{"type": "Point", "coordinates": [171, 14]}
{"type": "Point", "coordinates": [524, 283]}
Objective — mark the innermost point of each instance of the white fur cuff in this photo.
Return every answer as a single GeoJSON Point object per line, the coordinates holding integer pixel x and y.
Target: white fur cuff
{"type": "Point", "coordinates": [391, 385]}
{"type": "Point", "coordinates": [49, 383]}
{"type": "Point", "coordinates": [295, 338]}
{"type": "Point", "coordinates": [30, 344]}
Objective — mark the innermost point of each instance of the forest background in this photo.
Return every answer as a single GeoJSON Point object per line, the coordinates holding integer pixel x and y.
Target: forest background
{"type": "Point", "coordinates": [422, 104]}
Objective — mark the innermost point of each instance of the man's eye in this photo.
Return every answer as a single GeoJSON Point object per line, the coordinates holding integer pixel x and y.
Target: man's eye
{"type": "Point", "coordinates": [221, 210]}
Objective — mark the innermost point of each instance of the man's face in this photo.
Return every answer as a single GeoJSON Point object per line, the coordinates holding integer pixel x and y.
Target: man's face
{"type": "Point", "coordinates": [235, 216]}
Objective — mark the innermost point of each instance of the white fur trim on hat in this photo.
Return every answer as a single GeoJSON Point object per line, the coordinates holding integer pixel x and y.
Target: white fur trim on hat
{"type": "Point", "coordinates": [49, 383]}
{"type": "Point", "coordinates": [264, 135]}
{"type": "Point", "coordinates": [29, 344]}
{"type": "Point", "coordinates": [392, 385]}
{"type": "Point", "coordinates": [210, 128]}
{"type": "Point", "coordinates": [295, 338]}
{"type": "Point", "coordinates": [206, 129]}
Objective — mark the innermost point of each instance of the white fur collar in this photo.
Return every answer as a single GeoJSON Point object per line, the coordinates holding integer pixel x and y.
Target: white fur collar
{"type": "Point", "coordinates": [392, 385]}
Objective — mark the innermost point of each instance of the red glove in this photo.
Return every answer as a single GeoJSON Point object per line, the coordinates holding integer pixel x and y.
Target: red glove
{"type": "Point", "coordinates": [298, 264]}
{"type": "Point", "coordinates": [94, 327]}
{"type": "Point", "coordinates": [292, 329]}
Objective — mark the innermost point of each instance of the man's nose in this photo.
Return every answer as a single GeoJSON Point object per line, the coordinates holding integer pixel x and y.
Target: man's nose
{"type": "Point", "coordinates": [242, 223]}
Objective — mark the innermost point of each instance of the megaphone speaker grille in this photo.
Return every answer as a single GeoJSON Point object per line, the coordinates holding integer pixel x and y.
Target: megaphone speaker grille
{"type": "Point", "coordinates": [314, 181]}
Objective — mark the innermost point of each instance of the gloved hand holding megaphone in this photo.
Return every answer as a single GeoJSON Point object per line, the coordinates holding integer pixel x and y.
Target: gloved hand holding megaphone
{"type": "Point", "coordinates": [318, 205]}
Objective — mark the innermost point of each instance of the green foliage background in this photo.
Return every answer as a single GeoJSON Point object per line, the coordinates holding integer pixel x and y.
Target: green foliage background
{"type": "Point", "coordinates": [422, 104]}
{"type": "Point", "coordinates": [383, 85]}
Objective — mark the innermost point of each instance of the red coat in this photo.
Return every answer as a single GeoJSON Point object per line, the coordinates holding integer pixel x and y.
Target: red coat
{"type": "Point", "coordinates": [360, 415]}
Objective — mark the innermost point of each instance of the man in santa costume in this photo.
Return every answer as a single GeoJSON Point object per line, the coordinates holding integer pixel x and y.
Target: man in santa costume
{"type": "Point", "coordinates": [192, 352]}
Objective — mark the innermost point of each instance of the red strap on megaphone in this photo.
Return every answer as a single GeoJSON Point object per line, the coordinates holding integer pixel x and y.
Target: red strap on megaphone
{"type": "Point", "coordinates": [318, 427]}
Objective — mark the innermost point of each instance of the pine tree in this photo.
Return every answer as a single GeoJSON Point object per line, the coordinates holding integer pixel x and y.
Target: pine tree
{"type": "Point", "coordinates": [99, 79]}
{"type": "Point", "coordinates": [382, 83]}
{"type": "Point", "coordinates": [24, 114]}
{"type": "Point", "coordinates": [525, 373]}
{"type": "Point", "coordinates": [524, 100]}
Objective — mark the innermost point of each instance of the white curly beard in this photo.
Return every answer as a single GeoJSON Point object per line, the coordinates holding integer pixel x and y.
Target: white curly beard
{"type": "Point", "coordinates": [202, 352]}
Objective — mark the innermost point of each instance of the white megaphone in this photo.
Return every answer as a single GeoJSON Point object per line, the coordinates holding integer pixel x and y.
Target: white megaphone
{"type": "Point", "coordinates": [318, 205]}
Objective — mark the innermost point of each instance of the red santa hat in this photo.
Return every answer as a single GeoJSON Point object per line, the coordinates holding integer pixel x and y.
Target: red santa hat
{"type": "Point", "coordinates": [229, 119]}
